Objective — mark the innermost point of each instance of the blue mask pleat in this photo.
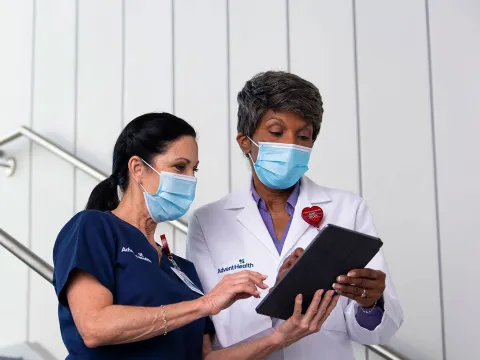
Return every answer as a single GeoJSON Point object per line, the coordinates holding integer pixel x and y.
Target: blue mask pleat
{"type": "Point", "coordinates": [173, 198]}
{"type": "Point", "coordinates": [280, 166]}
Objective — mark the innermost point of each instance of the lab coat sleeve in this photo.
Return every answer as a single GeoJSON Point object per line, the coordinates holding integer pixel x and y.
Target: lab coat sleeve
{"type": "Point", "coordinates": [393, 315]}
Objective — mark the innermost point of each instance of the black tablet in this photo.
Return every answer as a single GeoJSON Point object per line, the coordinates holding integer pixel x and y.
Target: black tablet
{"type": "Point", "coordinates": [334, 251]}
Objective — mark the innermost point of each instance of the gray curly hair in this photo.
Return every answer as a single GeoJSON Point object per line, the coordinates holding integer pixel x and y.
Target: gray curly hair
{"type": "Point", "coordinates": [278, 91]}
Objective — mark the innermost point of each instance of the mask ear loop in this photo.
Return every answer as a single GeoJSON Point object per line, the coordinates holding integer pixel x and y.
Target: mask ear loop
{"type": "Point", "coordinates": [144, 190]}
{"type": "Point", "coordinates": [254, 143]}
{"type": "Point", "coordinates": [150, 166]}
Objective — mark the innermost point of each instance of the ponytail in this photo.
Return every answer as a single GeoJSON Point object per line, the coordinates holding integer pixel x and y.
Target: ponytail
{"type": "Point", "coordinates": [104, 196]}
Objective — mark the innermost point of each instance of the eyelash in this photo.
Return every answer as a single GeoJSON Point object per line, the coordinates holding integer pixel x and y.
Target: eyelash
{"type": "Point", "coordinates": [277, 134]}
{"type": "Point", "coordinates": [182, 168]}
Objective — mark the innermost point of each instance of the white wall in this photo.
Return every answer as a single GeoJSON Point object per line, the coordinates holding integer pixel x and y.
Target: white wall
{"type": "Point", "coordinates": [400, 82]}
{"type": "Point", "coordinates": [397, 161]}
{"type": "Point", "coordinates": [455, 54]}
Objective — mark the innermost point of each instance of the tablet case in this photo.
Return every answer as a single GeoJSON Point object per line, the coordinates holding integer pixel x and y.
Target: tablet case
{"type": "Point", "coordinates": [334, 251]}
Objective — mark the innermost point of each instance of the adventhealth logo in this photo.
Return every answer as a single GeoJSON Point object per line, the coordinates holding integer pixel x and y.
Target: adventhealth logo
{"type": "Point", "coordinates": [138, 256]}
{"type": "Point", "coordinates": [241, 265]}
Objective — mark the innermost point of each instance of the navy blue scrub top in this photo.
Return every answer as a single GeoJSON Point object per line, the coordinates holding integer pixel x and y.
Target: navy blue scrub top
{"type": "Point", "coordinates": [119, 256]}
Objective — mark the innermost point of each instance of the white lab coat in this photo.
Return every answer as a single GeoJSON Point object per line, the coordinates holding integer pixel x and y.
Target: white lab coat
{"type": "Point", "coordinates": [231, 231]}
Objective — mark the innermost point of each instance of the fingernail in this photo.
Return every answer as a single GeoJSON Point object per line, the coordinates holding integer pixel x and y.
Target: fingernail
{"type": "Point", "coordinates": [341, 278]}
{"type": "Point", "coordinates": [351, 274]}
{"type": "Point", "coordinates": [334, 285]}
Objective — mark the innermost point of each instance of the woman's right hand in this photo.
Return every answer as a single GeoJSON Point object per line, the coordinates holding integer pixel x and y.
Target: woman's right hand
{"type": "Point", "coordinates": [233, 287]}
{"type": "Point", "coordinates": [298, 326]}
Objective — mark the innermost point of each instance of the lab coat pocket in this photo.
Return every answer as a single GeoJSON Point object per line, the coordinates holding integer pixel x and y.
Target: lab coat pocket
{"type": "Point", "coordinates": [336, 320]}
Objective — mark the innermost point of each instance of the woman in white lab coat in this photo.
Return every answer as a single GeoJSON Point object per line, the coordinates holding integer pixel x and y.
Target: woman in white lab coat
{"type": "Point", "coordinates": [260, 227]}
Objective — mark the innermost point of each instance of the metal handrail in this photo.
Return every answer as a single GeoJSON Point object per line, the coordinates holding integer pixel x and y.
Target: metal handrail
{"type": "Point", "coordinates": [70, 158]}
{"type": "Point", "coordinates": [46, 270]}
{"type": "Point", "coordinates": [32, 260]}
{"type": "Point", "coordinates": [385, 352]}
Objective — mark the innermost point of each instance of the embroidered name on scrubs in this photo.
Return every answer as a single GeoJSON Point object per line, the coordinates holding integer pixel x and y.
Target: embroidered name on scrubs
{"type": "Point", "coordinates": [138, 256]}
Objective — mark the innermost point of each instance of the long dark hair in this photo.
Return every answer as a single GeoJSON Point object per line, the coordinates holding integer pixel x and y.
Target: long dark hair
{"type": "Point", "coordinates": [146, 136]}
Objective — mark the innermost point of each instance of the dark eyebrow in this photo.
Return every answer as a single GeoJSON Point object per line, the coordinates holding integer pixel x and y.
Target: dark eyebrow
{"type": "Point", "coordinates": [275, 118]}
{"type": "Point", "coordinates": [283, 122]}
{"type": "Point", "coordinates": [182, 158]}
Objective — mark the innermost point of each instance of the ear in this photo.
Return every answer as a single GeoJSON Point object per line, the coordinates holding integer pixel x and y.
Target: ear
{"type": "Point", "coordinates": [136, 168]}
{"type": "Point", "coordinates": [244, 143]}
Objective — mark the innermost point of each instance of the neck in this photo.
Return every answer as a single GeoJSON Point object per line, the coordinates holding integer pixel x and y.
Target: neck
{"type": "Point", "coordinates": [275, 200]}
{"type": "Point", "coordinates": [132, 210]}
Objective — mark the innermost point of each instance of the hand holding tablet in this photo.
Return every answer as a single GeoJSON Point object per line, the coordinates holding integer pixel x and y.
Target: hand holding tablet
{"type": "Point", "coordinates": [333, 252]}
{"type": "Point", "coordinates": [365, 286]}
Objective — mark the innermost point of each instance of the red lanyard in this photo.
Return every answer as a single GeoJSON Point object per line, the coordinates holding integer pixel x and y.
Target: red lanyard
{"type": "Point", "coordinates": [167, 252]}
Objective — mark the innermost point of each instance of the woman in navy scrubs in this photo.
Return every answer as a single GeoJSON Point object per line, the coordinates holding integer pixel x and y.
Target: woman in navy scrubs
{"type": "Point", "coordinates": [120, 296]}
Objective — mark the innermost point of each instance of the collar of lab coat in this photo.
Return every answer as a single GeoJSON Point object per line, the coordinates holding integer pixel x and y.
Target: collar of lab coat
{"type": "Point", "coordinates": [249, 216]}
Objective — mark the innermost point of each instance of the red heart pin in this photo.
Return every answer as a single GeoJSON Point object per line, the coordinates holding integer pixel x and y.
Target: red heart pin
{"type": "Point", "coordinates": [313, 215]}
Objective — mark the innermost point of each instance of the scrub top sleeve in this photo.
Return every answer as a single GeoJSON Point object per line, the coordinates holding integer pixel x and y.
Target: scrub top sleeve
{"type": "Point", "coordinates": [209, 327]}
{"type": "Point", "coordinates": [85, 244]}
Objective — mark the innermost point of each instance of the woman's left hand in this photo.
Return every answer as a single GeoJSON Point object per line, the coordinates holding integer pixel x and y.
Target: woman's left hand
{"type": "Point", "coordinates": [365, 286]}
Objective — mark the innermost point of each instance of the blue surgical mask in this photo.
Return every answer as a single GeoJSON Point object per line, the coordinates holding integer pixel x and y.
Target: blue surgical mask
{"type": "Point", "coordinates": [280, 166]}
{"type": "Point", "coordinates": [173, 198]}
